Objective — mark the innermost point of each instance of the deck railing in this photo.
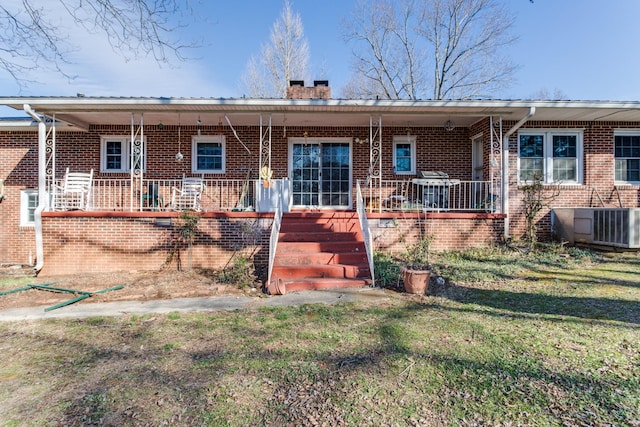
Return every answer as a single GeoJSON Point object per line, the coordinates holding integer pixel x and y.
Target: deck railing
{"type": "Point", "coordinates": [156, 194]}
{"type": "Point", "coordinates": [448, 195]}
{"type": "Point", "coordinates": [223, 195]}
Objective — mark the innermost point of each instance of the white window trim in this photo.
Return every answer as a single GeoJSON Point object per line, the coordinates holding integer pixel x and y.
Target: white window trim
{"type": "Point", "coordinates": [126, 149]}
{"type": "Point", "coordinates": [405, 139]}
{"type": "Point", "coordinates": [194, 153]}
{"type": "Point", "coordinates": [548, 154]}
{"type": "Point", "coordinates": [622, 132]}
{"type": "Point", "coordinates": [24, 207]}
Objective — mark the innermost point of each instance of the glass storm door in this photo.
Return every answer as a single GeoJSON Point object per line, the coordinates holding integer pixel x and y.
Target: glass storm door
{"type": "Point", "coordinates": [321, 175]}
{"type": "Point", "coordinates": [478, 165]}
{"type": "Point", "coordinates": [480, 193]}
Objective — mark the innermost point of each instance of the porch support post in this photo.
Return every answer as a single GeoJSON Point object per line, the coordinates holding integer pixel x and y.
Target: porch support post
{"type": "Point", "coordinates": [42, 185]}
{"type": "Point", "coordinates": [505, 167]}
{"type": "Point", "coordinates": [265, 146]}
{"type": "Point", "coordinates": [136, 166]}
{"type": "Point", "coordinates": [375, 152]}
{"type": "Point", "coordinates": [504, 164]}
{"type": "Point", "coordinates": [51, 161]}
{"type": "Point", "coordinates": [495, 166]}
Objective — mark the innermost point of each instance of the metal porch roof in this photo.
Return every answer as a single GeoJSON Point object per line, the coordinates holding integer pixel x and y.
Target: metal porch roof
{"type": "Point", "coordinates": [84, 111]}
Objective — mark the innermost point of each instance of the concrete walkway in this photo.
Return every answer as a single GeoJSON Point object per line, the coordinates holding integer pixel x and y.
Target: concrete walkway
{"type": "Point", "coordinates": [86, 309]}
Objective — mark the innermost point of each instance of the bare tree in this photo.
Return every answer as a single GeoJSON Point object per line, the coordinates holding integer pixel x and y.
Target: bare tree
{"type": "Point", "coordinates": [544, 93]}
{"type": "Point", "coordinates": [253, 79]}
{"type": "Point", "coordinates": [536, 197]}
{"type": "Point", "coordinates": [389, 51]}
{"type": "Point", "coordinates": [31, 37]}
{"type": "Point", "coordinates": [411, 49]}
{"type": "Point", "coordinates": [285, 58]}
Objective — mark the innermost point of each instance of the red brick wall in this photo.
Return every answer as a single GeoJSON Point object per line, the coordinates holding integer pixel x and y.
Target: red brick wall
{"type": "Point", "coordinates": [437, 150]}
{"type": "Point", "coordinates": [18, 169]}
{"type": "Point", "coordinates": [93, 242]}
{"type": "Point", "coordinates": [598, 185]}
{"type": "Point", "coordinates": [82, 242]}
{"type": "Point", "coordinates": [446, 230]}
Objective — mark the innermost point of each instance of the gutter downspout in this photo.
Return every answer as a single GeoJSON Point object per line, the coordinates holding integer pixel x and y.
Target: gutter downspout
{"type": "Point", "coordinates": [42, 183]}
{"type": "Point", "coordinates": [505, 168]}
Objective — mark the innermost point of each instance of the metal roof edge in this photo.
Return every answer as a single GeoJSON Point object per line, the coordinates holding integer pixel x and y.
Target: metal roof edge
{"type": "Point", "coordinates": [17, 102]}
{"type": "Point", "coordinates": [27, 123]}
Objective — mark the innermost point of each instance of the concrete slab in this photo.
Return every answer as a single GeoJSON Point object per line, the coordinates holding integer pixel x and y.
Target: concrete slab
{"type": "Point", "coordinates": [229, 303]}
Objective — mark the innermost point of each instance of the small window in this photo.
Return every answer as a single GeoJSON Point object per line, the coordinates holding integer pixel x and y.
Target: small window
{"type": "Point", "coordinates": [551, 156]}
{"type": "Point", "coordinates": [28, 205]}
{"type": "Point", "coordinates": [208, 154]}
{"type": "Point", "coordinates": [404, 155]}
{"type": "Point", "coordinates": [115, 154]}
{"type": "Point", "coordinates": [627, 156]}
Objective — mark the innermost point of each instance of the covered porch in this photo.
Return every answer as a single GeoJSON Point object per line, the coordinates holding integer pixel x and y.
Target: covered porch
{"type": "Point", "coordinates": [280, 155]}
{"type": "Point", "coordinates": [272, 148]}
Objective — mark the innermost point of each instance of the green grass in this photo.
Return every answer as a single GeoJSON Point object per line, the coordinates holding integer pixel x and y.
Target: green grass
{"type": "Point", "coordinates": [543, 340]}
{"type": "Point", "coordinates": [10, 283]}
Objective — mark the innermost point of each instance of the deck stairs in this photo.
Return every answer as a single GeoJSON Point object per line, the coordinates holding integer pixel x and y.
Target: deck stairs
{"type": "Point", "coordinates": [319, 250]}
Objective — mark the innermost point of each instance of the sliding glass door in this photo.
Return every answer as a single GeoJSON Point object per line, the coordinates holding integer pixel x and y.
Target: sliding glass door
{"type": "Point", "coordinates": [321, 174]}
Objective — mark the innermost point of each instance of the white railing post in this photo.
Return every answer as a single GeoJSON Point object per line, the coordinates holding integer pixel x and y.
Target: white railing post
{"type": "Point", "coordinates": [273, 239]}
{"type": "Point", "coordinates": [366, 231]}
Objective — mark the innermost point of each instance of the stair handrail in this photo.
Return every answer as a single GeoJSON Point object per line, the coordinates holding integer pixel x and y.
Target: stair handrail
{"type": "Point", "coordinates": [366, 231]}
{"type": "Point", "coordinates": [275, 233]}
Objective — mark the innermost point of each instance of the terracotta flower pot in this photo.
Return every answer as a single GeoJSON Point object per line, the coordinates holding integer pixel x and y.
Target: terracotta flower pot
{"type": "Point", "coordinates": [415, 281]}
{"type": "Point", "coordinates": [277, 287]}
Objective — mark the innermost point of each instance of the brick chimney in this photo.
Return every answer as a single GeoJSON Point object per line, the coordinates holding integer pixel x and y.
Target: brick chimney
{"type": "Point", "coordinates": [320, 90]}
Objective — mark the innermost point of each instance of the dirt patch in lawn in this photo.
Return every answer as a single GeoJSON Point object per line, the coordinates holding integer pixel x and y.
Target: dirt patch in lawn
{"type": "Point", "coordinates": [136, 286]}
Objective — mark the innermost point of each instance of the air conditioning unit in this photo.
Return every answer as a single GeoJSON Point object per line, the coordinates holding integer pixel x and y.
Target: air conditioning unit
{"type": "Point", "coordinates": [615, 227]}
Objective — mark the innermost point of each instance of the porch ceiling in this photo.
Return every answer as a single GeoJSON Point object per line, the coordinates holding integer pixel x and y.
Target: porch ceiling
{"type": "Point", "coordinates": [82, 111]}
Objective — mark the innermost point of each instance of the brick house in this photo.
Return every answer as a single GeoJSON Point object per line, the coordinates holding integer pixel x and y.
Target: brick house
{"type": "Point", "coordinates": [452, 169]}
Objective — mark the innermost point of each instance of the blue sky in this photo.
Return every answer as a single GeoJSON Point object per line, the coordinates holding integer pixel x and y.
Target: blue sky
{"type": "Point", "coordinates": [587, 49]}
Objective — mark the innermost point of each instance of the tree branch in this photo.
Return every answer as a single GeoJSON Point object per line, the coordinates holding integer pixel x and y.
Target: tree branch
{"type": "Point", "coordinates": [29, 40]}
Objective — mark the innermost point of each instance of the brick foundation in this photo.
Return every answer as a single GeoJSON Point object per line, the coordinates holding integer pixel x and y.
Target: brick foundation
{"type": "Point", "coordinates": [95, 242]}
{"type": "Point", "coordinates": [393, 233]}
{"type": "Point", "coordinates": [82, 242]}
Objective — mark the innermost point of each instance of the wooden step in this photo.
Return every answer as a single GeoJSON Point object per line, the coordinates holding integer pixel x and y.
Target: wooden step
{"type": "Point", "coordinates": [318, 236]}
{"type": "Point", "coordinates": [315, 227]}
{"type": "Point", "coordinates": [322, 214]}
{"type": "Point", "coordinates": [315, 247]}
{"type": "Point", "coordinates": [326, 218]}
{"type": "Point", "coordinates": [282, 286]}
{"type": "Point", "coordinates": [297, 258]}
{"type": "Point", "coordinates": [322, 271]}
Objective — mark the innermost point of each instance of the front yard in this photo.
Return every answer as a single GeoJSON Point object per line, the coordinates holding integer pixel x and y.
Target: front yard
{"type": "Point", "coordinates": [509, 339]}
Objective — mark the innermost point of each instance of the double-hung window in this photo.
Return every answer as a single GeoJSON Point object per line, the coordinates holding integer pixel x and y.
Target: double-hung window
{"type": "Point", "coordinates": [551, 156]}
{"type": "Point", "coordinates": [404, 155]}
{"type": "Point", "coordinates": [115, 154]}
{"type": "Point", "coordinates": [28, 205]}
{"type": "Point", "coordinates": [208, 154]}
{"type": "Point", "coordinates": [627, 156]}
